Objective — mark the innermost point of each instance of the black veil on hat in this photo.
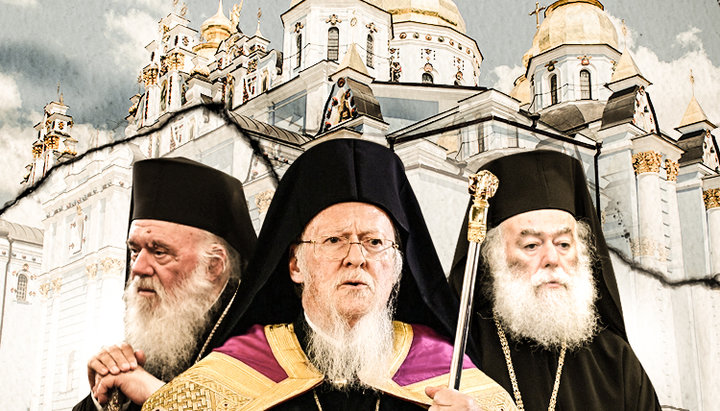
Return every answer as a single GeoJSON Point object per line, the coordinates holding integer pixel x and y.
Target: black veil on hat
{"type": "Point", "coordinates": [336, 171]}
{"type": "Point", "coordinates": [537, 180]}
{"type": "Point", "coordinates": [183, 191]}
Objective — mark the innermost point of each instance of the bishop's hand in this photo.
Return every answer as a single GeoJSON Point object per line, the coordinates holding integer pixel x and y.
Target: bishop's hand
{"type": "Point", "coordinates": [137, 385]}
{"type": "Point", "coordinates": [113, 359]}
{"type": "Point", "coordinates": [446, 399]}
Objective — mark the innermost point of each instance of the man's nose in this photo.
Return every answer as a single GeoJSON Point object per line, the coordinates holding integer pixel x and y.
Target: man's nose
{"type": "Point", "coordinates": [142, 264]}
{"type": "Point", "coordinates": [356, 255]}
{"type": "Point", "coordinates": [550, 257]}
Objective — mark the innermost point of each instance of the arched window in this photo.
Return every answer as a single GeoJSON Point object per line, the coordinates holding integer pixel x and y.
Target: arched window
{"type": "Point", "coordinates": [427, 78]}
{"type": "Point", "coordinates": [553, 89]}
{"type": "Point", "coordinates": [21, 291]}
{"type": "Point", "coordinates": [333, 43]}
{"type": "Point", "coordinates": [163, 96]}
{"type": "Point", "coordinates": [298, 48]}
{"type": "Point", "coordinates": [370, 54]}
{"type": "Point", "coordinates": [585, 90]}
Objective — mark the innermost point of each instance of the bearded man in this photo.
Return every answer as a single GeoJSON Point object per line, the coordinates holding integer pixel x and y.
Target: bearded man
{"type": "Point", "coordinates": [189, 238]}
{"type": "Point", "coordinates": [348, 308]}
{"type": "Point", "coordinates": [547, 321]}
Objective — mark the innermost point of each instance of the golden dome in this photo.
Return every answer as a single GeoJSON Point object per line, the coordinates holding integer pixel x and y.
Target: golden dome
{"type": "Point", "coordinates": [217, 28]}
{"type": "Point", "coordinates": [439, 12]}
{"type": "Point", "coordinates": [573, 22]}
{"type": "Point", "coordinates": [521, 90]}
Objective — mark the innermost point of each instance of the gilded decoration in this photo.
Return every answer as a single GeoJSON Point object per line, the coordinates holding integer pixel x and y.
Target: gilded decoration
{"type": "Point", "coordinates": [176, 61]}
{"type": "Point", "coordinates": [712, 198]}
{"type": "Point", "coordinates": [150, 76]}
{"type": "Point", "coordinates": [235, 14]}
{"type": "Point", "coordinates": [52, 142]}
{"type": "Point", "coordinates": [111, 265]}
{"type": "Point", "coordinates": [446, 16]}
{"type": "Point", "coordinates": [646, 162]}
{"type": "Point", "coordinates": [536, 12]}
{"type": "Point", "coordinates": [672, 168]}
{"type": "Point", "coordinates": [91, 271]}
{"type": "Point", "coordinates": [371, 26]}
{"type": "Point", "coordinates": [263, 199]}
{"type": "Point", "coordinates": [44, 289]}
{"type": "Point", "coordinates": [333, 19]}
{"type": "Point", "coordinates": [57, 284]}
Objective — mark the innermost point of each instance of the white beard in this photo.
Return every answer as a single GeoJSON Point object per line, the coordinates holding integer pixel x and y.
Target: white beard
{"type": "Point", "coordinates": [356, 357]}
{"type": "Point", "coordinates": [549, 317]}
{"type": "Point", "coordinates": [168, 326]}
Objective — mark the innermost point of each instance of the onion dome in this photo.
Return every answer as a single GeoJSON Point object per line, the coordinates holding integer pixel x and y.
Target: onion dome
{"type": "Point", "coordinates": [573, 22]}
{"type": "Point", "coordinates": [217, 28]}
{"type": "Point", "coordinates": [521, 90]}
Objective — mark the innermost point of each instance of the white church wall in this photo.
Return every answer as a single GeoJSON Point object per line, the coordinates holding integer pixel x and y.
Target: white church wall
{"type": "Point", "coordinates": [19, 316]}
{"type": "Point", "coordinates": [442, 194]}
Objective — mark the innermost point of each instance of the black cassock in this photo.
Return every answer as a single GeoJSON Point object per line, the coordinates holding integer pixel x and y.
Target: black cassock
{"type": "Point", "coordinates": [605, 375]}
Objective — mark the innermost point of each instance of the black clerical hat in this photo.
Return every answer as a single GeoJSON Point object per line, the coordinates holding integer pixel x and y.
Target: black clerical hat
{"type": "Point", "coordinates": [537, 180]}
{"type": "Point", "coordinates": [186, 192]}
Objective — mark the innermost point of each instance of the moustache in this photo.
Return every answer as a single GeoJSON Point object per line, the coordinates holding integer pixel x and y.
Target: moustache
{"type": "Point", "coordinates": [145, 284]}
{"type": "Point", "coordinates": [357, 277]}
{"type": "Point", "coordinates": [544, 276]}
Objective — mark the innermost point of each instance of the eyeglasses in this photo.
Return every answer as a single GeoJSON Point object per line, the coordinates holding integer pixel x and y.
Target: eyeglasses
{"type": "Point", "coordinates": [333, 247]}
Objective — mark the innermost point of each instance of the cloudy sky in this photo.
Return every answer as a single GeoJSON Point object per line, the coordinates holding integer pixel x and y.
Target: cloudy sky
{"type": "Point", "coordinates": [95, 50]}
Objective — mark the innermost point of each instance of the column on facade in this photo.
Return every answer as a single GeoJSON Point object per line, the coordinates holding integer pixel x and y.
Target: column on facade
{"type": "Point", "coordinates": [646, 247]}
{"type": "Point", "coordinates": [712, 205]}
{"type": "Point", "coordinates": [52, 289]}
{"type": "Point", "coordinates": [676, 268]}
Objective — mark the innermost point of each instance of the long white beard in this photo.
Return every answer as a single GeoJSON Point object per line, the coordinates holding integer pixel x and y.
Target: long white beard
{"type": "Point", "coordinates": [358, 356]}
{"type": "Point", "coordinates": [549, 317]}
{"type": "Point", "coordinates": [168, 326]}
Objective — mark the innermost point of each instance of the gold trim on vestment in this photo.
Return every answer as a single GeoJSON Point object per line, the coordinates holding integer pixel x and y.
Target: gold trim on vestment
{"type": "Point", "coordinates": [220, 382]}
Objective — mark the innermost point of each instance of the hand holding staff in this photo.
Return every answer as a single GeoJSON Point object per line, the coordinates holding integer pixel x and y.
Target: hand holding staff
{"type": "Point", "coordinates": [481, 187]}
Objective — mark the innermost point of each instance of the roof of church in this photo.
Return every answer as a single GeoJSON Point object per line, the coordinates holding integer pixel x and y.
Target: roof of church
{"type": "Point", "coordinates": [217, 27]}
{"type": "Point", "coordinates": [364, 99]}
{"type": "Point", "coordinates": [573, 22]}
{"type": "Point", "coordinates": [521, 90]}
{"type": "Point", "coordinates": [620, 108]}
{"type": "Point", "coordinates": [625, 67]}
{"type": "Point", "coordinates": [567, 117]}
{"type": "Point", "coordinates": [253, 126]}
{"type": "Point", "coordinates": [19, 232]}
{"type": "Point", "coordinates": [353, 60]}
{"type": "Point", "coordinates": [694, 114]}
{"type": "Point", "coordinates": [692, 145]}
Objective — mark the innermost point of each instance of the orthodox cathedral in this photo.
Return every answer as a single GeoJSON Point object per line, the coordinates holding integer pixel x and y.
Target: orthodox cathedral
{"type": "Point", "coordinates": [401, 73]}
